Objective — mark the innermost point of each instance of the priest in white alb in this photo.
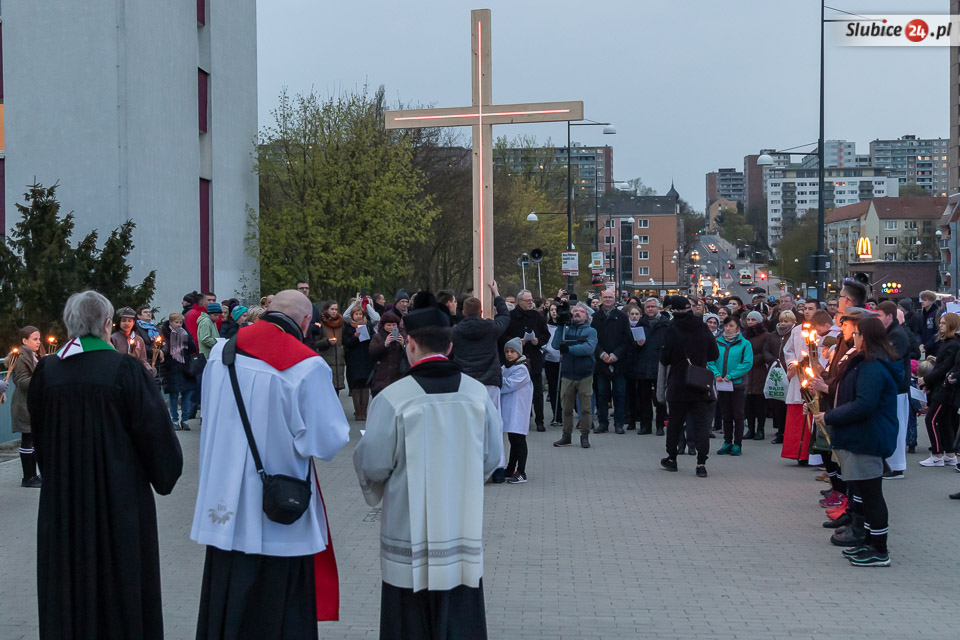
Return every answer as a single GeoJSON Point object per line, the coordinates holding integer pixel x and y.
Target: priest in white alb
{"type": "Point", "coordinates": [433, 438]}
{"type": "Point", "coordinates": [262, 578]}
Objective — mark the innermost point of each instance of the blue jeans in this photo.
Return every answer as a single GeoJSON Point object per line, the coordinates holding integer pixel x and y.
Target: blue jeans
{"type": "Point", "coordinates": [619, 383]}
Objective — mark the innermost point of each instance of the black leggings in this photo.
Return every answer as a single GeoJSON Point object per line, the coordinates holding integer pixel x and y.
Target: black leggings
{"type": "Point", "coordinates": [834, 473]}
{"type": "Point", "coordinates": [941, 427]}
{"type": "Point", "coordinates": [518, 454]}
{"type": "Point", "coordinates": [28, 460]}
{"type": "Point", "coordinates": [756, 411]}
{"type": "Point", "coordinates": [874, 512]}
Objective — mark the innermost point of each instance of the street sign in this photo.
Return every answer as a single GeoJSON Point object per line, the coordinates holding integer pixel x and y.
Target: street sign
{"type": "Point", "coordinates": [569, 263]}
{"type": "Point", "coordinates": [596, 262]}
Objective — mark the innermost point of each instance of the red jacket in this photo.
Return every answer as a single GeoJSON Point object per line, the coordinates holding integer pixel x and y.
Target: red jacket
{"type": "Point", "coordinates": [190, 321]}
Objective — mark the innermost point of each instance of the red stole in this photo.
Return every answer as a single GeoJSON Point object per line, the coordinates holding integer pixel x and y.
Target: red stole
{"type": "Point", "coordinates": [325, 569]}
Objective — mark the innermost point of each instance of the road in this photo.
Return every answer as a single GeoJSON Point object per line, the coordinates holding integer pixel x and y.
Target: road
{"type": "Point", "coordinates": [717, 263]}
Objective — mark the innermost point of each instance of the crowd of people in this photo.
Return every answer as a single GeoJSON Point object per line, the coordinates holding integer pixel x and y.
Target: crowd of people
{"type": "Point", "coordinates": [843, 382]}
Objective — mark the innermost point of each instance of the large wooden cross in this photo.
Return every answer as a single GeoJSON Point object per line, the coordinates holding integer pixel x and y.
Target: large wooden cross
{"type": "Point", "coordinates": [481, 115]}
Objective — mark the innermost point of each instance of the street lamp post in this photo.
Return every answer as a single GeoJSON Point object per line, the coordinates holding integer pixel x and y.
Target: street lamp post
{"type": "Point", "coordinates": [766, 159]}
{"type": "Point", "coordinates": [608, 129]}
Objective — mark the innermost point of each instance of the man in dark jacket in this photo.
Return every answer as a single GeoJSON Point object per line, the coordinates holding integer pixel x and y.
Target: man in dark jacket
{"type": "Point", "coordinates": [655, 327]}
{"type": "Point", "coordinates": [613, 339]}
{"type": "Point", "coordinates": [475, 342]}
{"type": "Point", "coordinates": [929, 322]}
{"type": "Point", "coordinates": [530, 326]}
{"type": "Point", "coordinates": [887, 313]}
{"type": "Point", "coordinates": [577, 344]}
{"type": "Point", "coordinates": [688, 341]}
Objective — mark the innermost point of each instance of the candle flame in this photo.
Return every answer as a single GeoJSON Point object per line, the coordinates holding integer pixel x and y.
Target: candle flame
{"type": "Point", "coordinates": [804, 384]}
{"type": "Point", "coordinates": [805, 333]}
{"type": "Point", "coordinates": [803, 354]}
{"type": "Point", "coordinates": [16, 350]}
{"type": "Point", "coordinates": [808, 371]}
{"type": "Point", "coordinates": [132, 341]}
{"type": "Point", "coordinates": [51, 339]}
{"type": "Point", "coordinates": [159, 340]}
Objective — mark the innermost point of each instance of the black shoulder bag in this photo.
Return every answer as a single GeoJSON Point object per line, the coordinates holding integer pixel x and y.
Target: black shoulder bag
{"type": "Point", "coordinates": [697, 377]}
{"type": "Point", "coordinates": [285, 498]}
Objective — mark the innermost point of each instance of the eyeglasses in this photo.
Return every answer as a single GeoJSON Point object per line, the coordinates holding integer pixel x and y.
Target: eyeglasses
{"type": "Point", "coordinates": [303, 288]}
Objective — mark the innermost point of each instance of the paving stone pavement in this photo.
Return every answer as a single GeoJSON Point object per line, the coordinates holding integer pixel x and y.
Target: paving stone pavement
{"type": "Point", "coordinates": [602, 544]}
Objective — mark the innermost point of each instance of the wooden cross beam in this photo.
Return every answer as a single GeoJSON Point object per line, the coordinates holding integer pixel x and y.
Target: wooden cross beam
{"type": "Point", "coordinates": [481, 115]}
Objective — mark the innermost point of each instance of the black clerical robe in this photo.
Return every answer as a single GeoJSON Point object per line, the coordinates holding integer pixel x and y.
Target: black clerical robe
{"type": "Point", "coordinates": [103, 437]}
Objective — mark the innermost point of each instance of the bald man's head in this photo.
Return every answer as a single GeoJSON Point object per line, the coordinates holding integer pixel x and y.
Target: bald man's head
{"type": "Point", "coordinates": [295, 306]}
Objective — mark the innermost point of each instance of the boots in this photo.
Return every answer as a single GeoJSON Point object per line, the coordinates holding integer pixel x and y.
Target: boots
{"type": "Point", "coordinates": [355, 396]}
{"type": "Point", "coordinates": [759, 434]}
{"type": "Point", "coordinates": [564, 441]}
{"type": "Point", "coordinates": [364, 403]}
{"type": "Point", "coordinates": [750, 434]}
{"type": "Point", "coordinates": [851, 536]}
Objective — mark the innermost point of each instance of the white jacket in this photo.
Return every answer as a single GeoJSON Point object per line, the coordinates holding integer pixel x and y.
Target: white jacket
{"type": "Point", "coordinates": [792, 352]}
{"type": "Point", "coordinates": [516, 397]}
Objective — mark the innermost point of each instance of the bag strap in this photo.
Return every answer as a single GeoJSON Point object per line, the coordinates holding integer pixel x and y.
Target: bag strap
{"type": "Point", "coordinates": [229, 357]}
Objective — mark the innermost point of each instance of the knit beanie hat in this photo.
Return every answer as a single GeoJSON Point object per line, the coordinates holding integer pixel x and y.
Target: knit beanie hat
{"type": "Point", "coordinates": [214, 307]}
{"type": "Point", "coordinates": [238, 311]}
{"type": "Point", "coordinates": [401, 295]}
{"type": "Point", "coordinates": [515, 344]}
{"type": "Point", "coordinates": [706, 316]}
{"type": "Point", "coordinates": [755, 315]}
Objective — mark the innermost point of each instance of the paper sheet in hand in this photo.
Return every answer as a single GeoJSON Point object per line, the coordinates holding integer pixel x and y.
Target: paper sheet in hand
{"type": "Point", "coordinates": [724, 386]}
{"type": "Point", "coordinates": [953, 307]}
{"type": "Point", "coordinates": [638, 333]}
{"type": "Point", "coordinates": [916, 394]}
{"type": "Point", "coordinates": [363, 333]}
{"type": "Point", "coordinates": [529, 335]}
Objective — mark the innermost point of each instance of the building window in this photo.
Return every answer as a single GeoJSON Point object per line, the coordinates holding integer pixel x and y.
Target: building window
{"type": "Point", "coordinates": [204, 234]}
{"type": "Point", "coordinates": [643, 255]}
{"type": "Point", "coordinates": [610, 255]}
{"type": "Point", "coordinates": [889, 225]}
{"type": "Point", "coordinates": [644, 240]}
{"type": "Point", "coordinates": [889, 241]}
{"type": "Point", "coordinates": [643, 271]}
{"type": "Point", "coordinates": [610, 271]}
{"type": "Point", "coordinates": [643, 223]}
{"type": "Point", "coordinates": [203, 97]}
{"type": "Point", "coordinates": [890, 257]}
{"type": "Point", "coordinates": [608, 239]}
{"type": "Point", "coordinates": [609, 224]}
{"type": "Point", "coordinates": [909, 224]}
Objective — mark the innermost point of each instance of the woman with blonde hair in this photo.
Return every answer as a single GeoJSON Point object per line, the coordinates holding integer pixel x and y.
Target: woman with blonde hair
{"type": "Point", "coordinates": [941, 388]}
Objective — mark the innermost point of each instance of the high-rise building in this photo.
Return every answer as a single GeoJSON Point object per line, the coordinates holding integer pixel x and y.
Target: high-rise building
{"type": "Point", "coordinates": [920, 161]}
{"type": "Point", "coordinates": [143, 111]}
{"type": "Point", "coordinates": [790, 197]}
{"type": "Point", "coordinates": [752, 181]}
{"type": "Point", "coordinates": [836, 153]}
{"type": "Point", "coordinates": [724, 183]}
{"type": "Point", "coordinates": [592, 166]}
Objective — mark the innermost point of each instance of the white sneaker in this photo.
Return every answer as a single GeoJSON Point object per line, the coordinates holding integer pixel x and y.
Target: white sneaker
{"type": "Point", "coordinates": [950, 462]}
{"type": "Point", "coordinates": [932, 461]}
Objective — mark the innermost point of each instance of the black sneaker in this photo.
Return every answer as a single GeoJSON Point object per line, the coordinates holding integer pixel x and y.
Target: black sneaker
{"type": "Point", "coordinates": [618, 429]}
{"type": "Point", "coordinates": [599, 429]}
{"type": "Point", "coordinates": [499, 476]}
{"type": "Point", "coordinates": [852, 551]}
{"type": "Point", "coordinates": [778, 439]}
{"type": "Point", "coordinates": [541, 428]}
{"type": "Point", "coordinates": [177, 426]}
{"type": "Point", "coordinates": [870, 557]}
{"type": "Point", "coordinates": [668, 464]}
{"type": "Point", "coordinates": [517, 478]}
{"type": "Point", "coordinates": [31, 483]}
{"type": "Point", "coordinates": [893, 475]}
{"type": "Point", "coordinates": [584, 441]}
{"type": "Point", "coordinates": [184, 426]}
{"type": "Point", "coordinates": [701, 471]}
{"type": "Point", "coordinates": [659, 431]}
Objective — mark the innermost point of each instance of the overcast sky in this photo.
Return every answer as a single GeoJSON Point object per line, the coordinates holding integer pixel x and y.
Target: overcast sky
{"type": "Point", "coordinates": [691, 85]}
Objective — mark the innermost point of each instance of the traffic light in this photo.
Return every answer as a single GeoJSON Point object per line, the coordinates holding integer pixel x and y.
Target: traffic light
{"type": "Point", "coordinates": [762, 275]}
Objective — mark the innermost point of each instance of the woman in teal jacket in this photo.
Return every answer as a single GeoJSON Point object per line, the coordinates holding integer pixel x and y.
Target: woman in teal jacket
{"type": "Point", "coordinates": [733, 365]}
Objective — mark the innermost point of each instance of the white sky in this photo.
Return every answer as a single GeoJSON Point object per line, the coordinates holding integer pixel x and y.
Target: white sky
{"type": "Point", "coordinates": [691, 85]}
